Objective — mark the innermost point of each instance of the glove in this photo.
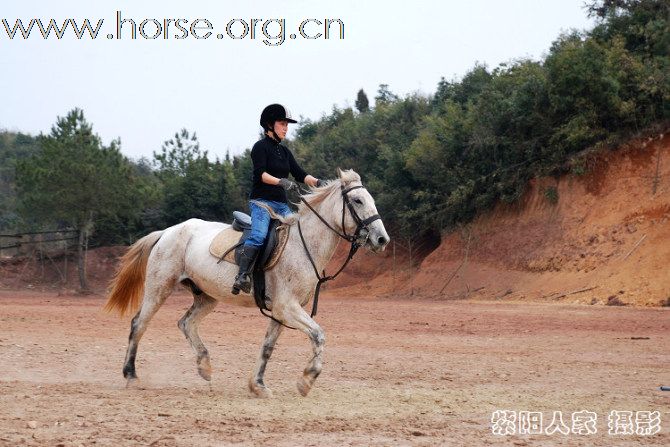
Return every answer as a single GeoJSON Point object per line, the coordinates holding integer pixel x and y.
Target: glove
{"type": "Point", "coordinates": [320, 183]}
{"type": "Point", "coordinates": [287, 184]}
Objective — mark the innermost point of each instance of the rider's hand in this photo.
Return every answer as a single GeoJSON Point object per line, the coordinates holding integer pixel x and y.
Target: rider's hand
{"type": "Point", "coordinates": [320, 183]}
{"type": "Point", "coordinates": [287, 184]}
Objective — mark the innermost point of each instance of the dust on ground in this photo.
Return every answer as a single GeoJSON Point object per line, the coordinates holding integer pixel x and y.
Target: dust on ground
{"type": "Point", "coordinates": [396, 372]}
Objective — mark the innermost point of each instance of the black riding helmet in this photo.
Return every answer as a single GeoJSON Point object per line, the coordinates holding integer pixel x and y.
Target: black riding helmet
{"type": "Point", "coordinates": [272, 113]}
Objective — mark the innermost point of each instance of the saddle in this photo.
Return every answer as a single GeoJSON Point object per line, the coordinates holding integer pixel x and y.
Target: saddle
{"type": "Point", "coordinates": [228, 244]}
{"type": "Point", "coordinates": [226, 249]}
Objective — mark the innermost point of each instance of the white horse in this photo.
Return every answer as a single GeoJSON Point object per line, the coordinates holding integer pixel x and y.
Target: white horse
{"type": "Point", "coordinates": [156, 263]}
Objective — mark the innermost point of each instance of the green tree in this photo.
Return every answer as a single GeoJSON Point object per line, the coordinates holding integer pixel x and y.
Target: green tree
{"type": "Point", "coordinates": [75, 180]}
{"type": "Point", "coordinates": [385, 95]}
{"type": "Point", "coordinates": [242, 167]}
{"type": "Point", "coordinates": [146, 217]}
{"type": "Point", "coordinates": [194, 186]}
{"type": "Point", "coordinates": [13, 147]}
{"type": "Point", "coordinates": [177, 154]}
{"type": "Point", "coordinates": [638, 31]}
{"type": "Point", "coordinates": [467, 89]}
{"type": "Point", "coordinates": [643, 24]}
{"type": "Point", "coordinates": [362, 103]}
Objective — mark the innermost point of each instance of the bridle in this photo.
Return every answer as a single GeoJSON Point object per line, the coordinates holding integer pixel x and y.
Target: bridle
{"type": "Point", "coordinates": [362, 225]}
{"type": "Point", "coordinates": [357, 240]}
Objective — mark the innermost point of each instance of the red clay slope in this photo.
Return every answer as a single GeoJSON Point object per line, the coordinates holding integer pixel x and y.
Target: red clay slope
{"type": "Point", "coordinates": [606, 240]}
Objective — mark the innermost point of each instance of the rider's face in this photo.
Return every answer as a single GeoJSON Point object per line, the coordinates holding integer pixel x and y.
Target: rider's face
{"type": "Point", "coordinates": [280, 128]}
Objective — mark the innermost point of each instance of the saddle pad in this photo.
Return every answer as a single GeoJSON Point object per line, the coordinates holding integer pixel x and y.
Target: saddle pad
{"type": "Point", "coordinates": [222, 242]}
{"type": "Point", "coordinates": [282, 239]}
{"type": "Point", "coordinates": [227, 238]}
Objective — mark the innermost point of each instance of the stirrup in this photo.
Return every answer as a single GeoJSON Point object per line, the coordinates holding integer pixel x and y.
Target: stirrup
{"type": "Point", "coordinates": [244, 286]}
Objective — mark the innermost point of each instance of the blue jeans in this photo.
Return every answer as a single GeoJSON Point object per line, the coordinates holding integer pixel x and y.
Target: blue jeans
{"type": "Point", "coordinates": [260, 220]}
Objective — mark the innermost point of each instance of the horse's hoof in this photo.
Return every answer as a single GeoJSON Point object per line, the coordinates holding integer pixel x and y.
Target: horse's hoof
{"type": "Point", "coordinates": [258, 390]}
{"type": "Point", "coordinates": [133, 383]}
{"type": "Point", "coordinates": [303, 387]}
{"type": "Point", "coordinates": [205, 369]}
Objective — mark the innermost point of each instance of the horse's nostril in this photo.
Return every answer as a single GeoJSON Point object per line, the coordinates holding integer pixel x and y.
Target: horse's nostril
{"type": "Point", "coordinates": [381, 240]}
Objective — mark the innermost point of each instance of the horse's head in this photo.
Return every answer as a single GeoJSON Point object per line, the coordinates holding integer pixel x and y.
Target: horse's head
{"type": "Point", "coordinates": [361, 216]}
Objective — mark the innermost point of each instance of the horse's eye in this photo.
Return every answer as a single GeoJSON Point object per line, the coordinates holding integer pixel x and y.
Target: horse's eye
{"type": "Point", "coordinates": [358, 201]}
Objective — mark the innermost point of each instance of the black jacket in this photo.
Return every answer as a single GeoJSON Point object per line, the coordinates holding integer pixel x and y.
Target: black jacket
{"type": "Point", "coordinates": [277, 160]}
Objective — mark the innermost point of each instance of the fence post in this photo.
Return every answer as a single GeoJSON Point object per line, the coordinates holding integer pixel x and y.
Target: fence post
{"type": "Point", "coordinates": [394, 264]}
{"type": "Point", "coordinates": [65, 264]}
{"type": "Point", "coordinates": [411, 283]}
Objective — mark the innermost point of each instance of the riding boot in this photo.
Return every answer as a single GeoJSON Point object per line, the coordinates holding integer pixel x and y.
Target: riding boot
{"type": "Point", "coordinates": [247, 259]}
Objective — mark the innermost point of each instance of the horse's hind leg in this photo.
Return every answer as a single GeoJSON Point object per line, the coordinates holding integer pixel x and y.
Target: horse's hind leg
{"type": "Point", "coordinates": [154, 297]}
{"type": "Point", "coordinates": [202, 305]}
{"type": "Point", "coordinates": [256, 384]}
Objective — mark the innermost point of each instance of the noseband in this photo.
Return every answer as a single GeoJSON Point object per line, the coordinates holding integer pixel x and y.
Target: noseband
{"type": "Point", "coordinates": [361, 224]}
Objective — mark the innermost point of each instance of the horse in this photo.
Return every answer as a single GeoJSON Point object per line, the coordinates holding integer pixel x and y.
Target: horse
{"type": "Point", "coordinates": [155, 264]}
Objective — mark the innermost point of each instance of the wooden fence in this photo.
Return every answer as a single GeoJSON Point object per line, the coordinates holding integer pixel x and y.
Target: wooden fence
{"type": "Point", "coordinates": [48, 243]}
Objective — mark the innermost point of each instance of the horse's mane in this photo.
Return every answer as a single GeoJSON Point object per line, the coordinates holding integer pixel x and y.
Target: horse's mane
{"type": "Point", "coordinates": [316, 195]}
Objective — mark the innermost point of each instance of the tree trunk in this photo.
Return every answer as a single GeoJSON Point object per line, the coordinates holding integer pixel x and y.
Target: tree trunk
{"type": "Point", "coordinates": [81, 264]}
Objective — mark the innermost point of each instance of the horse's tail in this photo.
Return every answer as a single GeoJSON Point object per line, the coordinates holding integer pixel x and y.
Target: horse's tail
{"type": "Point", "coordinates": [127, 286]}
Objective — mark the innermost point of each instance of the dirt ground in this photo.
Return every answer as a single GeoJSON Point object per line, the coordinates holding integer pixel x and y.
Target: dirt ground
{"type": "Point", "coordinates": [396, 372]}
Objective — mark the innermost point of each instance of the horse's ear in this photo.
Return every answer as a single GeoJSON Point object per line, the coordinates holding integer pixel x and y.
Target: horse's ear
{"type": "Point", "coordinates": [348, 176]}
{"type": "Point", "coordinates": [341, 176]}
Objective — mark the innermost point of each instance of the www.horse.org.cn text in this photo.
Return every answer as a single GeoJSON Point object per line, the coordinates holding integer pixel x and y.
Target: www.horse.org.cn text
{"type": "Point", "coordinates": [271, 32]}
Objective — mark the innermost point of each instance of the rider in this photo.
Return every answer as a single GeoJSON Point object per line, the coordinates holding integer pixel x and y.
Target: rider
{"type": "Point", "coordinates": [272, 163]}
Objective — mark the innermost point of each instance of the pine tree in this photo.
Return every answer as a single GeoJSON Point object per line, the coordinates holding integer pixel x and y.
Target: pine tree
{"type": "Point", "coordinates": [362, 103]}
{"type": "Point", "coordinates": [74, 180]}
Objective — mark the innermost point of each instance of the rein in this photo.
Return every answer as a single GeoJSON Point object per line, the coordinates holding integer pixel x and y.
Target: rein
{"type": "Point", "coordinates": [356, 240]}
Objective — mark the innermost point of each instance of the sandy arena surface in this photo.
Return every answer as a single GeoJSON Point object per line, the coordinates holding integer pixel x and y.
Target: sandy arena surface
{"type": "Point", "coordinates": [395, 373]}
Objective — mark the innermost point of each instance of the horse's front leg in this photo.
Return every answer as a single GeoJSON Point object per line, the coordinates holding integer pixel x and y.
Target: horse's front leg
{"type": "Point", "coordinates": [299, 319]}
{"type": "Point", "coordinates": [256, 384]}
